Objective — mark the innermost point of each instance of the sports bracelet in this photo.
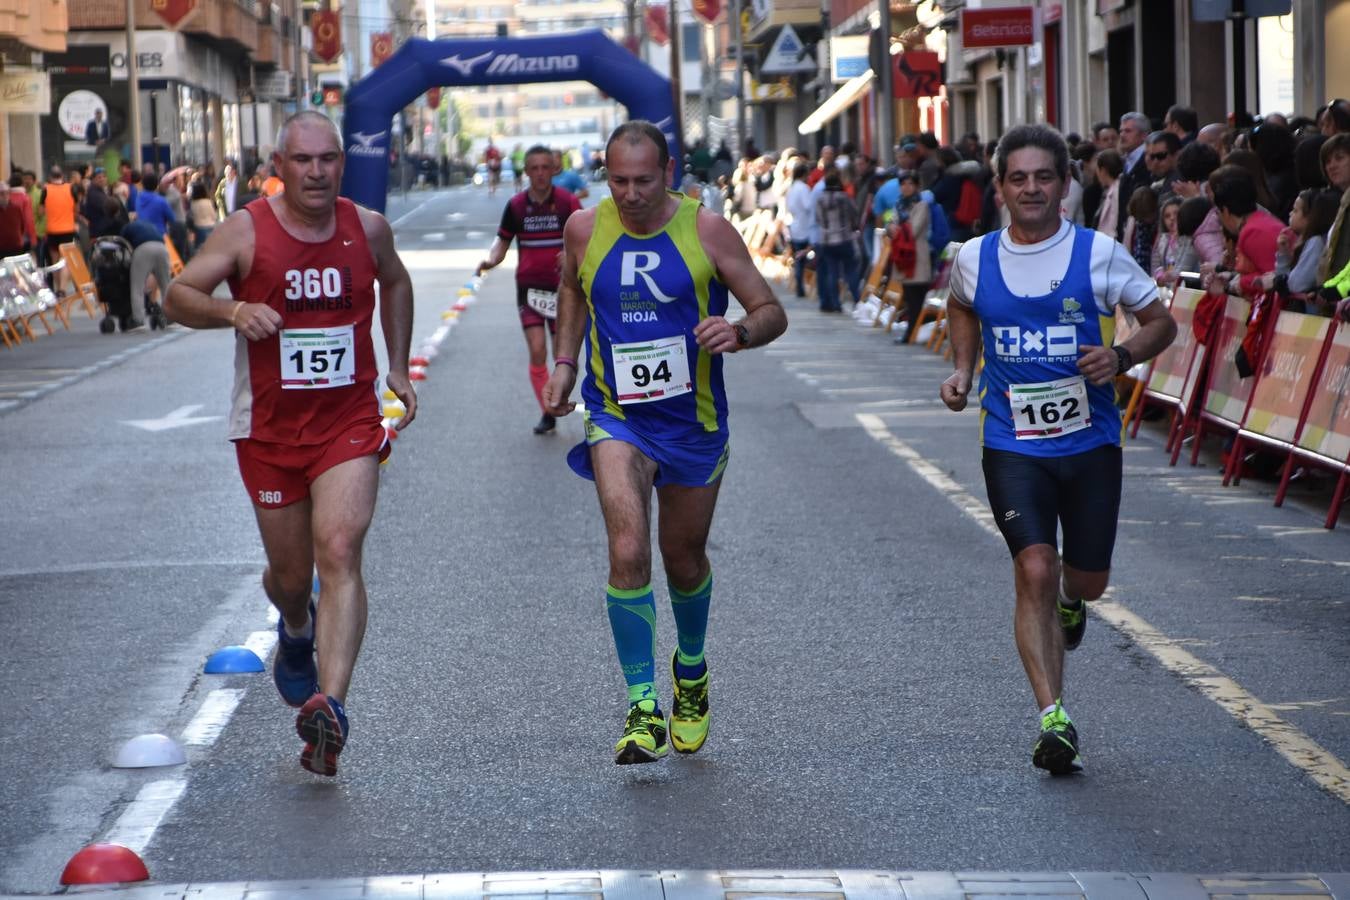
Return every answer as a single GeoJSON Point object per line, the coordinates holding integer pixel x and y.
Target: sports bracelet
{"type": "Point", "coordinates": [565, 361]}
{"type": "Point", "coordinates": [234, 316]}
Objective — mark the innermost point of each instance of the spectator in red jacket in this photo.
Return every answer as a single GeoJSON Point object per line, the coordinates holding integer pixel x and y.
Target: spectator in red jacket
{"type": "Point", "coordinates": [1255, 231]}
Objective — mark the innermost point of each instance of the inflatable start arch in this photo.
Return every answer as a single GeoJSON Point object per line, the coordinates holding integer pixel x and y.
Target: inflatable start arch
{"type": "Point", "coordinates": [454, 62]}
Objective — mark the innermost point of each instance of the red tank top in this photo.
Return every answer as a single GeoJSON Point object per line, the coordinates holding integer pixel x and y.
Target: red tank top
{"type": "Point", "coordinates": [316, 376]}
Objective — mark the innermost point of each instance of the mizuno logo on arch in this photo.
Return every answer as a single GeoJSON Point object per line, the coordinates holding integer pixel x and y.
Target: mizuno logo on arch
{"type": "Point", "coordinates": [366, 144]}
{"type": "Point", "coordinates": [515, 64]}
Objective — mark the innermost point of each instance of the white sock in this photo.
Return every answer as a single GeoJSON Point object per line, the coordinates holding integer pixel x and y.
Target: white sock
{"type": "Point", "coordinates": [1051, 708]}
{"type": "Point", "coordinates": [1064, 600]}
{"type": "Point", "coordinates": [306, 633]}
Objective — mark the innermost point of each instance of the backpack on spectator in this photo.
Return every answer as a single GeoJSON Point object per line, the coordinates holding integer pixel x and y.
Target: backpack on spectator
{"type": "Point", "coordinates": [939, 232]}
{"type": "Point", "coordinates": [970, 204]}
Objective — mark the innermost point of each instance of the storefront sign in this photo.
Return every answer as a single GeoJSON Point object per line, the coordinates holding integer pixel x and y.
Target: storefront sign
{"type": "Point", "coordinates": [77, 109]}
{"type": "Point", "coordinates": [327, 28]}
{"type": "Point", "coordinates": [1006, 27]}
{"type": "Point", "coordinates": [916, 73]}
{"type": "Point", "coordinates": [781, 89]}
{"type": "Point", "coordinates": [787, 55]}
{"type": "Point", "coordinates": [79, 66]}
{"type": "Point", "coordinates": [273, 85]}
{"type": "Point", "coordinates": [657, 19]}
{"type": "Point", "coordinates": [848, 57]}
{"type": "Point", "coordinates": [25, 92]}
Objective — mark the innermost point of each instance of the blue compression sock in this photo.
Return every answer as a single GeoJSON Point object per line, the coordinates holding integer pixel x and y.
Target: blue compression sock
{"type": "Point", "coordinates": [632, 618]}
{"type": "Point", "coordinates": [691, 621]}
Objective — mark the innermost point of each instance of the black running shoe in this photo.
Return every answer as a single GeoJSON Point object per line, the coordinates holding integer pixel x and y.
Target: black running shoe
{"type": "Point", "coordinates": [546, 424]}
{"type": "Point", "coordinates": [1056, 749]}
{"type": "Point", "coordinates": [1074, 623]}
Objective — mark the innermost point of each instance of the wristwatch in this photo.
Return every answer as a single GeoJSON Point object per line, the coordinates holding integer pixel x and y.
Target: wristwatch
{"type": "Point", "coordinates": [1124, 360]}
{"type": "Point", "coordinates": [742, 336]}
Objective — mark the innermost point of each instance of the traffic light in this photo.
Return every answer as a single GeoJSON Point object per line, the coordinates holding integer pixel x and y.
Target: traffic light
{"type": "Point", "coordinates": [316, 98]}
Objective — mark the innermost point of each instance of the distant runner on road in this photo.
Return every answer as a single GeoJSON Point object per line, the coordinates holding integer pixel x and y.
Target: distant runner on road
{"type": "Point", "coordinates": [305, 419]}
{"type": "Point", "coordinates": [1042, 295]}
{"type": "Point", "coordinates": [646, 275]}
{"type": "Point", "coordinates": [535, 218]}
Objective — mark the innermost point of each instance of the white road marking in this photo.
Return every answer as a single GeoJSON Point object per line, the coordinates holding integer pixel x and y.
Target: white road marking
{"type": "Point", "coordinates": [135, 828]}
{"type": "Point", "coordinates": [1295, 746]}
{"type": "Point", "coordinates": [410, 213]}
{"type": "Point", "coordinates": [212, 718]}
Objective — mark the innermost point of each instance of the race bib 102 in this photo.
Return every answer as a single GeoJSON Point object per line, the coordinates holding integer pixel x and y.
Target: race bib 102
{"type": "Point", "coordinates": [543, 302]}
{"type": "Point", "coordinates": [318, 357]}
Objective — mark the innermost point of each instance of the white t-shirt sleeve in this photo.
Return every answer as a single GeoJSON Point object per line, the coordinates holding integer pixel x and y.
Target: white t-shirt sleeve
{"type": "Point", "coordinates": [965, 273]}
{"type": "Point", "coordinates": [1117, 279]}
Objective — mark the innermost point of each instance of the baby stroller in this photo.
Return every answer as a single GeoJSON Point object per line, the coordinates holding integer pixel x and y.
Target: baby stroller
{"type": "Point", "coordinates": [110, 261]}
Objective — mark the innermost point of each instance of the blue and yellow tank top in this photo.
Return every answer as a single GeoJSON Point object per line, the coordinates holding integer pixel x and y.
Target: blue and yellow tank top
{"type": "Point", "coordinates": [644, 295]}
{"type": "Point", "coordinates": [1032, 398]}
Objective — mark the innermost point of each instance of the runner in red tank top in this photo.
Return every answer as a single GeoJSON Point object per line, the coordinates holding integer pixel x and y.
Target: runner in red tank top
{"type": "Point", "coordinates": [304, 415]}
{"type": "Point", "coordinates": [535, 218]}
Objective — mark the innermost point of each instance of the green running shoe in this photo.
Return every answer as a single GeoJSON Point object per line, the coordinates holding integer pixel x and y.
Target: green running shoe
{"type": "Point", "coordinates": [644, 735]}
{"type": "Point", "coordinates": [689, 720]}
{"type": "Point", "coordinates": [1056, 749]}
{"type": "Point", "coordinates": [1074, 623]}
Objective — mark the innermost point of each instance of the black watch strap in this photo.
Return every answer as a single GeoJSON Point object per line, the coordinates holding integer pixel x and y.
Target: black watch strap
{"type": "Point", "coordinates": [1124, 360]}
{"type": "Point", "coordinates": [742, 336]}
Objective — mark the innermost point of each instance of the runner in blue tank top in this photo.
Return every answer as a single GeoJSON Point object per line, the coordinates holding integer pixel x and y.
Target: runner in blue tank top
{"type": "Point", "coordinates": [646, 279]}
{"type": "Point", "coordinates": [1042, 296]}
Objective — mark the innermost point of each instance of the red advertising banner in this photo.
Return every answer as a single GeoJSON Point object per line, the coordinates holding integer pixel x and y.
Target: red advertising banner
{"type": "Point", "coordinates": [916, 73]}
{"type": "Point", "coordinates": [1172, 367]}
{"type": "Point", "coordinates": [1010, 26]}
{"type": "Point", "coordinates": [657, 20]}
{"type": "Point", "coordinates": [327, 28]}
{"type": "Point", "coordinates": [1327, 431]}
{"type": "Point", "coordinates": [381, 47]}
{"type": "Point", "coordinates": [1286, 374]}
{"type": "Point", "coordinates": [1226, 397]}
{"type": "Point", "coordinates": [707, 11]}
{"type": "Point", "coordinates": [173, 11]}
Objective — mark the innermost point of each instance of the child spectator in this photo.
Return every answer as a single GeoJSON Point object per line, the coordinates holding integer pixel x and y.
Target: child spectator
{"type": "Point", "coordinates": [1141, 226]}
{"type": "Point", "coordinates": [1166, 244]}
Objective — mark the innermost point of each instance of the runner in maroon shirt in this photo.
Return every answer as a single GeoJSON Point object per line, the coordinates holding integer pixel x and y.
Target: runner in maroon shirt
{"type": "Point", "coordinates": [535, 218]}
{"type": "Point", "coordinates": [305, 418]}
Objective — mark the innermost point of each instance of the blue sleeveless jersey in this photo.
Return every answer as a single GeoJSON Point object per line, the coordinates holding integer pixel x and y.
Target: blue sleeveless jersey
{"type": "Point", "coordinates": [1034, 340]}
{"type": "Point", "coordinates": [649, 288]}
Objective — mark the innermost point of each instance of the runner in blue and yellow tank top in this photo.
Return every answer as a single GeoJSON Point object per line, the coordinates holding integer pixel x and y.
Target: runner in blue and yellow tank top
{"type": "Point", "coordinates": [1041, 296]}
{"type": "Point", "coordinates": [646, 280]}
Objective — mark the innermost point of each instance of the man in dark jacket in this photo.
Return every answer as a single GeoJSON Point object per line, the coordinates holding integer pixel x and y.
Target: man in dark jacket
{"type": "Point", "coordinates": [95, 206]}
{"type": "Point", "coordinates": [1133, 147]}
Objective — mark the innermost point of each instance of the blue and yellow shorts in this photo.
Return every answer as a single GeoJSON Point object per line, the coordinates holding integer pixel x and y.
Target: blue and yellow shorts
{"type": "Point", "coordinates": [690, 459]}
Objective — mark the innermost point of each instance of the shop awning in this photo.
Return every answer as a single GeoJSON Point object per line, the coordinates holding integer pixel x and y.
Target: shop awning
{"type": "Point", "coordinates": [1221, 10]}
{"type": "Point", "coordinates": [848, 94]}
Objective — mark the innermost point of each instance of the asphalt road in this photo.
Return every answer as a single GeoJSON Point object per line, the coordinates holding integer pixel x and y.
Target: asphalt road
{"type": "Point", "coordinates": [870, 709]}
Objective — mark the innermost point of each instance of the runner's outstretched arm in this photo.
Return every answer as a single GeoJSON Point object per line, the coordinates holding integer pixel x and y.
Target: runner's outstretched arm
{"type": "Point", "coordinates": [496, 253]}
{"type": "Point", "coordinates": [229, 251]}
{"type": "Point", "coordinates": [764, 318]}
{"type": "Point", "coordinates": [1156, 332]}
{"type": "Point", "coordinates": [571, 315]}
{"type": "Point", "coordinates": [396, 310]}
{"type": "Point", "coordinates": [964, 327]}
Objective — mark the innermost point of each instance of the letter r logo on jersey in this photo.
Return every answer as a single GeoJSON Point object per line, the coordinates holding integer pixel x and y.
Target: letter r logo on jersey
{"type": "Point", "coordinates": [636, 263]}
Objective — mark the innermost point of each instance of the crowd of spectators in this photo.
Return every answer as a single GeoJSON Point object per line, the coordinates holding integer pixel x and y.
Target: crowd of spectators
{"type": "Point", "coordinates": [1251, 206]}
{"type": "Point", "coordinates": [83, 204]}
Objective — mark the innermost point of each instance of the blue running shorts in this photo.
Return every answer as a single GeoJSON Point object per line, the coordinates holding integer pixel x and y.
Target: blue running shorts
{"type": "Point", "coordinates": [690, 460]}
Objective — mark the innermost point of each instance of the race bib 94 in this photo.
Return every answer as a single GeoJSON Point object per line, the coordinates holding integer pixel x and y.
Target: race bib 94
{"type": "Point", "coordinates": [317, 357]}
{"type": "Point", "coordinates": [651, 370]}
